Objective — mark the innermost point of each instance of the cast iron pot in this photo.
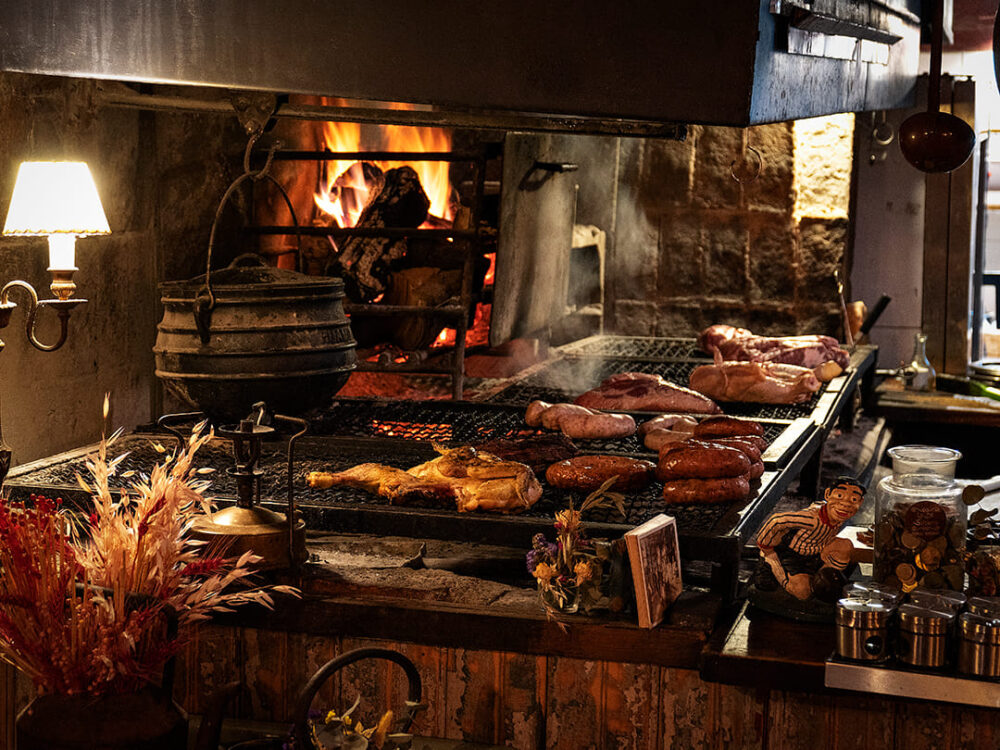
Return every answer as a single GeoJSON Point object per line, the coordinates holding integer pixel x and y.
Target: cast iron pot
{"type": "Point", "coordinates": [258, 333]}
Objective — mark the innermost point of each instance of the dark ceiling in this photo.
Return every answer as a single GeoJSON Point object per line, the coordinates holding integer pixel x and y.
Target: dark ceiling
{"type": "Point", "coordinates": [973, 25]}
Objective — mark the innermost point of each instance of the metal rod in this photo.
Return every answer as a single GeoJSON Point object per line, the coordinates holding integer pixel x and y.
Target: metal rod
{"type": "Point", "coordinates": [979, 252]}
{"type": "Point", "coordinates": [123, 96]}
{"type": "Point", "coordinates": [376, 309]}
{"type": "Point", "coordinates": [454, 156]}
{"type": "Point", "coordinates": [389, 232]}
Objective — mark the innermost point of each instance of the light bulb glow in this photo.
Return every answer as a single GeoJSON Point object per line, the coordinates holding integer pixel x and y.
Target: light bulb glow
{"type": "Point", "coordinates": [62, 252]}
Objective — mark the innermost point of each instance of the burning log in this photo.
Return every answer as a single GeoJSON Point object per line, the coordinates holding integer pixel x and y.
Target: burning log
{"type": "Point", "coordinates": [365, 262]}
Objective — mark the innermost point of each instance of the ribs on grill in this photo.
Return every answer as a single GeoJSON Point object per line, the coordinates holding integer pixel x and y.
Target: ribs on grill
{"type": "Point", "coordinates": [471, 479]}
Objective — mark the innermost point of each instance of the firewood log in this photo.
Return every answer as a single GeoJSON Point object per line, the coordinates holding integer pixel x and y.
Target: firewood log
{"type": "Point", "coordinates": [365, 262]}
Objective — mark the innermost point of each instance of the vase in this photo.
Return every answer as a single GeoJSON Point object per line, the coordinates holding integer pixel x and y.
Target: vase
{"type": "Point", "coordinates": [144, 720]}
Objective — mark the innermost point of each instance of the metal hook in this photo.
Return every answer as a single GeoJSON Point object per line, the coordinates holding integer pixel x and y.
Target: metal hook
{"type": "Point", "coordinates": [882, 132]}
{"type": "Point", "coordinates": [756, 173]}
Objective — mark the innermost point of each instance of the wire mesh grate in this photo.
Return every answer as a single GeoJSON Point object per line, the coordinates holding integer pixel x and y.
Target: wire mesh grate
{"type": "Point", "coordinates": [565, 379]}
{"type": "Point", "coordinates": [322, 454]}
{"type": "Point", "coordinates": [634, 347]}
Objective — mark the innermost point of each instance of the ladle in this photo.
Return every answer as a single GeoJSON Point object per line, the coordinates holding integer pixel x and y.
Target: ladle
{"type": "Point", "coordinates": [936, 141]}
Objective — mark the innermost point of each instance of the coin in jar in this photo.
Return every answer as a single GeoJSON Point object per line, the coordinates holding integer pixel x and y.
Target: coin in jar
{"type": "Point", "coordinates": [955, 576]}
{"type": "Point", "coordinates": [925, 519]}
{"type": "Point", "coordinates": [906, 572]}
{"type": "Point", "coordinates": [929, 558]}
{"type": "Point", "coordinates": [933, 581]}
{"type": "Point", "coordinates": [956, 536]}
{"type": "Point", "coordinates": [940, 544]}
{"type": "Point", "coordinates": [910, 541]}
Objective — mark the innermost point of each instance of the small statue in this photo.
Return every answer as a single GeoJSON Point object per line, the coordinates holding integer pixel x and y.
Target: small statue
{"type": "Point", "coordinates": [802, 560]}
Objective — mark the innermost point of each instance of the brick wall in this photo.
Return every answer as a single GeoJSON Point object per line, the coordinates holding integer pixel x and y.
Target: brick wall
{"type": "Point", "coordinates": [694, 247]}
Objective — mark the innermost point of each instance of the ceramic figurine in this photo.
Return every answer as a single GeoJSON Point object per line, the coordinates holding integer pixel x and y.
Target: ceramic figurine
{"type": "Point", "coordinates": [802, 562]}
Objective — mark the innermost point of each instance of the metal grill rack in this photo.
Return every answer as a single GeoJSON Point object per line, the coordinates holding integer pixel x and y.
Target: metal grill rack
{"type": "Point", "coordinates": [707, 532]}
{"type": "Point", "coordinates": [634, 347]}
{"type": "Point", "coordinates": [565, 379]}
{"type": "Point", "coordinates": [463, 422]}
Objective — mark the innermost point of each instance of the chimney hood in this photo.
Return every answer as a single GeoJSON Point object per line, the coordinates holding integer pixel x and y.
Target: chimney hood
{"type": "Point", "coordinates": [708, 61]}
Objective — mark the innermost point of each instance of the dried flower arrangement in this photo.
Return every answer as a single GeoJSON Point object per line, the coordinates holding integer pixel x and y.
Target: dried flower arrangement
{"type": "Point", "coordinates": [343, 732]}
{"type": "Point", "coordinates": [571, 572]}
{"type": "Point", "coordinates": [82, 599]}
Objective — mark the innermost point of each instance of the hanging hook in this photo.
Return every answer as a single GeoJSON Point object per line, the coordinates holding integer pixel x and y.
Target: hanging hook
{"type": "Point", "coordinates": [747, 176]}
{"type": "Point", "coordinates": [882, 132]}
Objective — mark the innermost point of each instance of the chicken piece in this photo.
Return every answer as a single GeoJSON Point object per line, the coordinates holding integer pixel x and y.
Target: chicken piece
{"type": "Point", "coordinates": [638, 391]}
{"type": "Point", "coordinates": [758, 382]}
{"type": "Point", "coordinates": [470, 479]}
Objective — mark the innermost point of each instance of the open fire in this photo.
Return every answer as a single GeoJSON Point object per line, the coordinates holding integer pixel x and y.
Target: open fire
{"type": "Point", "coordinates": [347, 186]}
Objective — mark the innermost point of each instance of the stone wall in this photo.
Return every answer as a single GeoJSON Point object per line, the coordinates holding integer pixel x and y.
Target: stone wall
{"type": "Point", "coordinates": [159, 177]}
{"type": "Point", "coordinates": [693, 246]}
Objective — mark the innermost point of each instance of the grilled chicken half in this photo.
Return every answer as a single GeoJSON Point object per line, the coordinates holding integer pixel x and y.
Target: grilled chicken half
{"type": "Point", "coordinates": [472, 479]}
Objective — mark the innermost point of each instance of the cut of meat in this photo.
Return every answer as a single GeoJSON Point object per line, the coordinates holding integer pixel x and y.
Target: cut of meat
{"type": "Point", "coordinates": [741, 345]}
{"type": "Point", "coordinates": [758, 382]}
{"type": "Point", "coordinates": [637, 391]}
{"type": "Point", "coordinates": [587, 473]}
{"type": "Point", "coordinates": [537, 451]}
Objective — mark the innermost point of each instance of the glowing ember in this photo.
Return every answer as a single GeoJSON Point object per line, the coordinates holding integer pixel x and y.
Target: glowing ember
{"type": "Point", "coordinates": [344, 186]}
{"type": "Point", "coordinates": [477, 335]}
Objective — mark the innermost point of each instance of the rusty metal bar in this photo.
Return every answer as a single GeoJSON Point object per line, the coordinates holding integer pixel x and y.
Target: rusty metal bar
{"type": "Point", "coordinates": [375, 309]}
{"type": "Point", "coordinates": [122, 96]}
{"type": "Point", "coordinates": [290, 155]}
{"type": "Point", "coordinates": [389, 232]}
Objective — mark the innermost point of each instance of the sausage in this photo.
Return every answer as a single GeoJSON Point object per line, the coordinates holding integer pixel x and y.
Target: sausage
{"type": "Point", "coordinates": [756, 470]}
{"type": "Point", "coordinates": [749, 448]}
{"type": "Point", "coordinates": [578, 421]}
{"type": "Point", "coordinates": [724, 490]}
{"type": "Point", "coordinates": [697, 459]}
{"type": "Point", "coordinates": [676, 422]}
{"type": "Point", "coordinates": [655, 440]}
{"type": "Point", "coordinates": [587, 473]}
{"type": "Point", "coordinates": [725, 426]}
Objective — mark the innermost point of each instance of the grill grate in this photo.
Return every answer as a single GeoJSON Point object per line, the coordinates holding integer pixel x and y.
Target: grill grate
{"type": "Point", "coordinates": [461, 423]}
{"type": "Point", "coordinates": [634, 347]}
{"type": "Point", "coordinates": [565, 379]}
{"type": "Point", "coordinates": [336, 454]}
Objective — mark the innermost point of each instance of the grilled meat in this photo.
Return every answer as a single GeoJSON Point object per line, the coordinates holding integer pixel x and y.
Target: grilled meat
{"type": "Point", "coordinates": [537, 451]}
{"type": "Point", "coordinates": [741, 345]}
{"type": "Point", "coordinates": [578, 421]}
{"type": "Point", "coordinates": [759, 382]}
{"type": "Point", "coordinates": [638, 391]}
{"type": "Point", "coordinates": [470, 479]}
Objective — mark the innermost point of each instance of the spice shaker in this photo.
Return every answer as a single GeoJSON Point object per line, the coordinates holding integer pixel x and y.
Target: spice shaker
{"type": "Point", "coordinates": [978, 645]}
{"type": "Point", "coordinates": [862, 629]}
{"type": "Point", "coordinates": [923, 636]}
{"type": "Point", "coordinates": [942, 599]}
{"type": "Point", "coordinates": [875, 592]}
{"type": "Point", "coordinates": [920, 523]}
{"type": "Point", "coordinates": [984, 606]}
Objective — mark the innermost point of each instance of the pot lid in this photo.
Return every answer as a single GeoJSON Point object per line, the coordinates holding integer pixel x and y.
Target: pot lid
{"type": "Point", "coordinates": [248, 272]}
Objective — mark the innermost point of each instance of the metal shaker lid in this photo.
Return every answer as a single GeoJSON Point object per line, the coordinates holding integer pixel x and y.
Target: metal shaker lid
{"type": "Point", "coordinates": [942, 599]}
{"type": "Point", "coordinates": [973, 627]}
{"type": "Point", "coordinates": [871, 591]}
{"type": "Point", "coordinates": [865, 615]}
{"type": "Point", "coordinates": [987, 606]}
{"type": "Point", "coordinates": [917, 619]}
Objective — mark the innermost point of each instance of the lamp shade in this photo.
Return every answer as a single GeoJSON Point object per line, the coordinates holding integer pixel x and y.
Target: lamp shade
{"type": "Point", "coordinates": [55, 197]}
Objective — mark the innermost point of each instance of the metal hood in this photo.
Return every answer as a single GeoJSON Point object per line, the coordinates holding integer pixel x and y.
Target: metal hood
{"type": "Point", "coordinates": [711, 61]}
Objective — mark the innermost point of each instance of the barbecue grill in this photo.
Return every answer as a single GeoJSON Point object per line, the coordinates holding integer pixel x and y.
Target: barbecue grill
{"type": "Point", "coordinates": [401, 433]}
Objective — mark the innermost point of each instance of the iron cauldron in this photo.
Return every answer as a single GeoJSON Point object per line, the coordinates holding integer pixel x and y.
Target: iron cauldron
{"type": "Point", "coordinates": [254, 333]}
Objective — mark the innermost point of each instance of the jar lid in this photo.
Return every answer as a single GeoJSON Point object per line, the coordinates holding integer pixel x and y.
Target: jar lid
{"type": "Point", "coordinates": [973, 627]}
{"type": "Point", "coordinates": [918, 619]}
{"type": "Point", "coordinates": [942, 599]}
{"type": "Point", "coordinates": [926, 455]}
{"type": "Point", "coordinates": [985, 606]}
{"type": "Point", "coordinates": [855, 613]}
{"type": "Point", "coordinates": [874, 592]}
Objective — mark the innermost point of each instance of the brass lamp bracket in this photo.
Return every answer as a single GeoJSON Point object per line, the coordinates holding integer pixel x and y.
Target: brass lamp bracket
{"type": "Point", "coordinates": [63, 307]}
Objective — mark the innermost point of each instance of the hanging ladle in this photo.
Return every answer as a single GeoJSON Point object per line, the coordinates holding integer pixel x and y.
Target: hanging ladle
{"type": "Point", "coordinates": [936, 141]}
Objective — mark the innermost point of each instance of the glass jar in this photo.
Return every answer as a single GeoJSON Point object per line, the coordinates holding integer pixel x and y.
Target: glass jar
{"type": "Point", "coordinates": [932, 459]}
{"type": "Point", "coordinates": [920, 523]}
{"type": "Point", "coordinates": [920, 374]}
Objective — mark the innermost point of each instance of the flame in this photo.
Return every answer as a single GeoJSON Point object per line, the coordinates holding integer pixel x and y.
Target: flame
{"type": "Point", "coordinates": [492, 270]}
{"type": "Point", "coordinates": [477, 335]}
{"type": "Point", "coordinates": [343, 193]}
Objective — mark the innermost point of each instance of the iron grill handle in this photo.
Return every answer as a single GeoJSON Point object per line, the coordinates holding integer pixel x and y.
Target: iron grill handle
{"type": "Point", "coordinates": [557, 166]}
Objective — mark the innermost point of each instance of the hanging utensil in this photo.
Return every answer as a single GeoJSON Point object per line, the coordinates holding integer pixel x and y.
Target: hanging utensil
{"type": "Point", "coordinates": [936, 141]}
{"type": "Point", "coordinates": [848, 336]}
